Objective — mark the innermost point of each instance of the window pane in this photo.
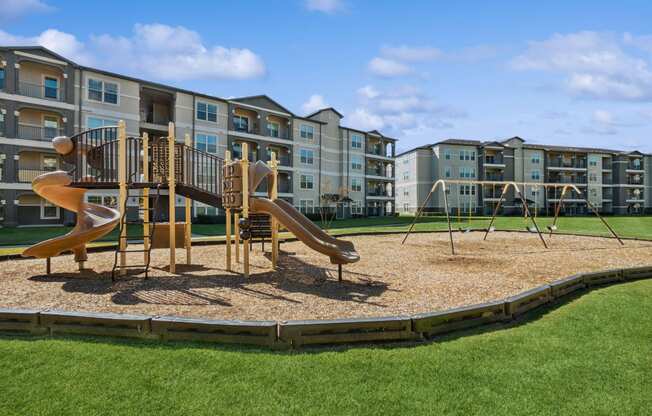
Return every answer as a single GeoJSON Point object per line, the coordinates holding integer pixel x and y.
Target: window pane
{"type": "Point", "coordinates": [51, 88]}
{"type": "Point", "coordinates": [212, 112]}
{"type": "Point", "coordinates": [111, 93]}
{"type": "Point", "coordinates": [201, 111]}
{"type": "Point", "coordinates": [94, 90]}
{"type": "Point", "coordinates": [2, 78]}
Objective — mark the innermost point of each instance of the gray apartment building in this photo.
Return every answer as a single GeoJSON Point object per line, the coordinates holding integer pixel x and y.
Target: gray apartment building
{"type": "Point", "coordinates": [615, 182]}
{"type": "Point", "coordinates": [44, 95]}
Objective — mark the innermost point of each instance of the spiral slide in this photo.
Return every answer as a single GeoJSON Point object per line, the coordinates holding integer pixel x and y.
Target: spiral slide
{"type": "Point", "coordinates": [340, 252]}
{"type": "Point", "coordinates": [93, 221]}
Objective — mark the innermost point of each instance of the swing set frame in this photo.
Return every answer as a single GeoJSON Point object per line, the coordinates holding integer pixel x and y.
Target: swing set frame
{"type": "Point", "coordinates": [443, 183]}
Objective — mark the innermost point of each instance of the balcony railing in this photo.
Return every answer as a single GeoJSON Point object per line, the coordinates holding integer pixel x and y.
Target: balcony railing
{"type": "Point", "coordinates": [494, 160]}
{"type": "Point", "coordinates": [2, 128]}
{"type": "Point", "coordinates": [378, 172]}
{"type": "Point", "coordinates": [29, 132]}
{"type": "Point", "coordinates": [567, 180]}
{"type": "Point", "coordinates": [237, 154]}
{"type": "Point", "coordinates": [497, 178]}
{"type": "Point", "coordinates": [279, 134]}
{"type": "Point", "coordinates": [634, 181]}
{"type": "Point", "coordinates": [635, 166]}
{"type": "Point", "coordinates": [41, 91]}
{"type": "Point", "coordinates": [573, 164]}
{"type": "Point", "coordinates": [28, 175]}
{"type": "Point", "coordinates": [376, 192]}
{"type": "Point", "coordinates": [152, 118]}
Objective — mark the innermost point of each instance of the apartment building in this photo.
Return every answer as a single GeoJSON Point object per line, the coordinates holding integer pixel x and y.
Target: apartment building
{"type": "Point", "coordinates": [44, 95]}
{"type": "Point", "coordinates": [615, 182]}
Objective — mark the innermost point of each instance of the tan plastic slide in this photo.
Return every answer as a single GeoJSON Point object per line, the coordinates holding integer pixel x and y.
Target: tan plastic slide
{"type": "Point", "coordinates": [340, 252]}
{"type": "Point", "coordinates": [93, 221]}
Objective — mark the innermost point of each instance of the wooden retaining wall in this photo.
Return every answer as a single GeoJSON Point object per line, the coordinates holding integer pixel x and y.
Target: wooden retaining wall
{"type": "Point", "coordinates": [294, 334]}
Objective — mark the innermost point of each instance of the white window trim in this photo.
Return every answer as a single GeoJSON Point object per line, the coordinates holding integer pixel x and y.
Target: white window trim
{"type": "Point", "coordinates": [310, 139]}
{"type": "Point", "coordinates": [313, 157]}
{"type": "Point", "coordinates": [43, 217]}
{"type": "Point", "coordinates": [312, 182]}
{"type": "Point", "coordinates": [359, 182]}
{"type": "Point", "coordinates": [361, 141]}
{"type": "Point", "coordinates": [103, 80]}
{"type": "Point", "coordinates": [59, 84]}
{"type": "Point", "coordinates": [310, 203]}
{"type": "Point", "coordinates": [217, 112]}
{"type": "Point", "coordinates": [100, 118]}
{"type": "Point", "coordinates": [47, 155]}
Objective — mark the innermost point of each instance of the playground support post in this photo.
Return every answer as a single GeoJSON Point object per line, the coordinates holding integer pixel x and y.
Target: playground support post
{"type": "Point", "coordinates": [172, 198]}
{"type": "Point", "coordinates": [493, 217]}
{"type": "Point", "coordinates": [188, 225]}
{"type": "Point", "coordinates": [273, 194]}
{"type": "Point", "coordinates": [122, 195]}
{"type": "Point", "coordinates": [245, 202]}
{"type": "Point", "coordinates": [227, 160]}
{"type": "Point", "coordinates": [236, 234]}
{"type": "Point", "coordinates": [425, 202]}
{"type": "Point", "coordinates": [146, 216]}
{"type": "Point", "coordinates": [526, 211]}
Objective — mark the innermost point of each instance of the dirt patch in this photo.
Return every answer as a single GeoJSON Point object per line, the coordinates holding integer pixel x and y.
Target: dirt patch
{"type": "Point", "coordinates": [390, 279]}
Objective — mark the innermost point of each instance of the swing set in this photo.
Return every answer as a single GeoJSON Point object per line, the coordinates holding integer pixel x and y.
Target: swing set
{"type": "Point", "coordinates": [530, 220]}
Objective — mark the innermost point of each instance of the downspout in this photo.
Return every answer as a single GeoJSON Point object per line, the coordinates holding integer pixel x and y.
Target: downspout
{"type": "Point", "coordinates": [319, 175]}
{"type": "Point", "coordinates": [81, 83]}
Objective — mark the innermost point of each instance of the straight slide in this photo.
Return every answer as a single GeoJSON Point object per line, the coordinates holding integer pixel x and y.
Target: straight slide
{"type": "Point", "coordinates": [340, 252]}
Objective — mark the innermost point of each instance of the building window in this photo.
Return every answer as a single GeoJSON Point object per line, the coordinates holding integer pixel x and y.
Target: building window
{"type": "Point", "coordinates": [356, 141]}
{"type": "Point", "coordinates": [593, 161]}
{"type": "Point", "coordinates": [50, 127]}
{"type": "Point", "coordinates": [2, 78]}
{"type": "Point", "coordinates": [106, 200]}
{"type": "Point", "coordinates": [636, 163]}
{"type": "Point", "coordinates": [202, 209]}
{"type": "Point", "coordinates": [51, 88]}
{"type": "Point", "coordinates": [447, 172]}
{"type": "Point", "coordinates": [536, 175]}
{"type": "Point", "coordinates": [206, 112]}
{"type": "Point", "coordinates": [307, 156]}
{"type": "Point", "coordinates": [49, 211]}
{"type": "Point", "coordinates": [466, 172]}
{"type": "Point", "coordinates": [241, 123]}
{"type": "Point", "coordinates": [102, 91]}
{"type": "Point", "coordinates": [467, 189]}
{"type": "Point", "coordinates": [593, 177]}
{"type": "Point", "coordinates": [307, 206]}
{"type": "Point", "coordinates": [406, 193]}
{"type": "Point", "coordinates": [536, 159]}
{"type": "Point", "coordinates": [307, 181]}
{"type": "Point", "coordinates": [49, 163]}
{"type": "Point", "coordinates": [467, 155]}
{"type": "Point", "coordinates": [356, 163]}
{"type": "Point", "coordinates": [273, 129]}
{"type": "Point", "coordinates": [356, 185]}
{"type": "Point", "coordinates": [307, 132]}
{"type": "Point", "coordinates": [356, 208]}
{"type": "Point", "coordinates": [447, 154]}
{"type": "Point", "coordinates": [96, 123]}
{"type": "Point", "coordinates": [206, 143]}
{"type": "Point", "coordinates": [406, 176]}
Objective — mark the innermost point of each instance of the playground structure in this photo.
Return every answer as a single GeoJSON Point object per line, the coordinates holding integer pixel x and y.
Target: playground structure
{"type": "Point", "coordinates": [506, 185]}
{"type": "Point", "coordinates": [105, 158]}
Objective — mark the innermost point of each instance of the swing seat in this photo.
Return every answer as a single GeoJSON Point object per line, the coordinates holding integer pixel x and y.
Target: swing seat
{"type": "Point", "coordinates": [532, 229]}
{"type": "Point", "coordinates": [552, 227]}
{"type": "Point", "coordinates": [491, 229]}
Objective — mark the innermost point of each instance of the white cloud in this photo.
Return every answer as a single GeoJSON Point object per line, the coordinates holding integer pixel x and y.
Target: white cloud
{"type": "Point", "coordinates": [153, 50]}
{"type": "Point", "coordinates": [62, 43]}
{"type": "Point", "coordinates": [411, 53]}
{"type": "Point", "coordinates": [11, 9]}
{"type": "Point", "coordinates": [314, 103]}
{"type": "Point", "coordinates": [388, 67]}
{"type": "Point", "coordinates": [401, 111]}
{"type": "Point", "coordinates": [596, 65]}
{"type": "Point", "coordinates": [325, 6]}
{"type": "Point", "coordinates": [368, 91]}
{"type": "Point", "coordinates": [603, 117]}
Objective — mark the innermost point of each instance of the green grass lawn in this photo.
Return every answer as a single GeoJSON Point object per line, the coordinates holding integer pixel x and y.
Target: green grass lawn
{"type": "Point", "coordinates": [629, 226]}
{"type": "Point", "coordinates": [591, 356]}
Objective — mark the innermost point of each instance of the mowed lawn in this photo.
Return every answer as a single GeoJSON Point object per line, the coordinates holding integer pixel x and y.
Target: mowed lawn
{"type": "Point", "coordinates": [626, 226]}
{"type": "Point", "coordinates": [590, 356]}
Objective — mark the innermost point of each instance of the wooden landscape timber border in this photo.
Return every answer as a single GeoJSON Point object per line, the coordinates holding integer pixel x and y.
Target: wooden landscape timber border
{"type": "Point", "coordinates": [294, 334]}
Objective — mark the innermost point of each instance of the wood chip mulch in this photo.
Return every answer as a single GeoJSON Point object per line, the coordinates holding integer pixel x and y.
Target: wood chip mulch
{"type": "Point", "coordinates": [390, 279]}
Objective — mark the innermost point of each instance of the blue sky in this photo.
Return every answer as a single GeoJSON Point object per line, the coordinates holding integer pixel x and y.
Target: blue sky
{"type": "Point", "coordinates": [556, 72]}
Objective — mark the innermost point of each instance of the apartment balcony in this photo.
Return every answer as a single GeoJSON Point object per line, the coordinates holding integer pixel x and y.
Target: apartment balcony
{"type": "Point", "coordinates": [607, 194]}
{"type": "Point", "coordinates": [494, 162]}
{"type": "Point", "coordinates": [635, 180]}
{"type": "Point", "coordinates": [575, 180]}
{"type": "Point", "coordinates": [561, 164]}
{"type": "Point", "coordinates": [378, 149]}
{"type": "Point", "coordinates": [30, 132]}
{"type": "Point", "coordinates": [494, 177]}
{"type": "Point", "coordinates": [379, 194]}
{"type": "Point", "coordinates": [2, 126]}
{"type": "Point", "coordinates": [492, 195]}
{"type": "Point", "coordinates": [277, 133]}
{"type": "Point", "coordinates": [634, 167]}
{"type": "Point", "coordinates": [378, 172]}
{"type": "Point", "coordinates": [47, 92]}
{"type": "Point", "coordinates": [607, 165]}
{"type": "Point", "coordinates": [28, 175]}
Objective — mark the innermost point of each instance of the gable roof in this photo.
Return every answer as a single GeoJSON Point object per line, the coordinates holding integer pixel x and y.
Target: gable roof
{"type": "Point", "coordinates": [263, 101]}
{"type": "Point", "coordinates": [39, 49]}
{"type": "Point", "coordinates": [326, 109]}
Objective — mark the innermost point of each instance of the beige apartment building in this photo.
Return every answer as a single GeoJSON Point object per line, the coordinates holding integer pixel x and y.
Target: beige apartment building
{"type": "Point", "coordinates": [615, 182]}
{"type": "Point", "coordinates": [44, 95]}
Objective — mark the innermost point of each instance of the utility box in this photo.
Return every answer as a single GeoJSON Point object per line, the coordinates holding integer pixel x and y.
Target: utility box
{"type": "Point", "coordinates": [161, 235]}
